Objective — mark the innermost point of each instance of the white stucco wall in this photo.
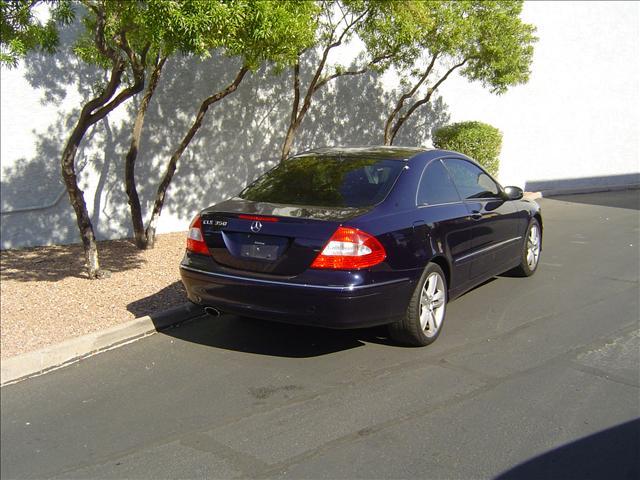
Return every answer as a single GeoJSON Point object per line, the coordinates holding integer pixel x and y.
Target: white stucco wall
{"type": "Point", "coordinates": [579, 115]}
{"type": "Point", "coordinates": [576, 123]}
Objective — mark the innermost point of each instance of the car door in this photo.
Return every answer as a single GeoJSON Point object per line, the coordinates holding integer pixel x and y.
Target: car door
{"type": "Point", "coordinates": [443, 220]}
{"type": "Point", "coordinates": [495, 242]}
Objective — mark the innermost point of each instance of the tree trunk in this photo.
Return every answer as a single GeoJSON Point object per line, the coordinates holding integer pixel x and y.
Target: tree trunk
{"type": "Point", "coordinates": [387, 134]}
{"type": "Point", "coordinates": [173, 161]}
{"type": "Point", "coordinates": [76, 197]}
{"type": "Point", "coordinates": [288, 140]}
{"type": "Point", "coordinates": [93, 111]}
{"type": "Point", "coordinates": [130, 161]}
{"type": "Point", "coordinates": [293, 121]}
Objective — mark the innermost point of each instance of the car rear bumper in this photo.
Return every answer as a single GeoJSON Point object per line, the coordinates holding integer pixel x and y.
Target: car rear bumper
{"type": "Point", "coordinates": [299, 303]}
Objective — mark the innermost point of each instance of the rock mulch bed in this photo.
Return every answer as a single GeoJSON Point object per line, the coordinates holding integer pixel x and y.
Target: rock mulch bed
{"type": "Point", "coordinates": [46, 296]}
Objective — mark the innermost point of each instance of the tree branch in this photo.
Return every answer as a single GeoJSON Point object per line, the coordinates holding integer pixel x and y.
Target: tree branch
{"type": "Point", "coordinates": [132, 155]}
{"type": "Point", "coordinates": [229, 88]}
{"type": "Point", "coordinates": [296, 92]}
{"type": "Point", "coordinates": [325, 54]}
{"type": "Point", "coordinates": [364, 69]}
{"type": "Point", "coordinates": [103, 48]}
{"type": "Point", "coordinates": [348, 27]}
{"type": "Point", "coordinates": [407, 96]}
{"type": "Point", "coordinates": [173, 161]}
{"type": "Point", "coordinates": [333, 76]}
{"type": "Point", "coordinates": [298, 112]}
{"type": "Point", "coordinates": [114, 81]}
{"type": "Point", "coordinates": [124, 95]}
{"type": "Point", "coordinates": [424, 100]}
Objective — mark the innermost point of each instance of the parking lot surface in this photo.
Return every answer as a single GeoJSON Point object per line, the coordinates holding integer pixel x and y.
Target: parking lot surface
{"type": "Point", "coordinates": [531, 378]}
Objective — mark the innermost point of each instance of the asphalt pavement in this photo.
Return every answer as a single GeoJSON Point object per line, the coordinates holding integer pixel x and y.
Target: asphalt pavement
{"type": "Point", "coordinates": [531, 378]}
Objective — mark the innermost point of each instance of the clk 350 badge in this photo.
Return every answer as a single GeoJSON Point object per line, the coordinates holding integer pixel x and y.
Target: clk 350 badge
{"type": "Point", "coordinates": [215, 223]}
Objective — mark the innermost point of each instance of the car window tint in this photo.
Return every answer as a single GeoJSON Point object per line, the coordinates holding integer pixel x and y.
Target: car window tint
{"type": "Point", "coordinates": [326, 181]}
{"type": "Point", "coordinates": [436, 186]}
{"type": "Point", "coordinates": [470, 180]}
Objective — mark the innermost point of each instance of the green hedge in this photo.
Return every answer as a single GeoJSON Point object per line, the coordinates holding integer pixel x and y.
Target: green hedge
{"type": "Point", "coordinates": [477, 140]}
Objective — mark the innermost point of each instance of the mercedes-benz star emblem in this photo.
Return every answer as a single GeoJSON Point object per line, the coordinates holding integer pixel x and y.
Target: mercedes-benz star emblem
{"type": "Point", "coordinates": [256, 226]}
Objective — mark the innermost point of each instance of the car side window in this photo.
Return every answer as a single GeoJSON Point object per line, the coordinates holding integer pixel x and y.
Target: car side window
{"type": "Point", "coordinates": [470, 180]}
{"type": "Point", "coordinates": [436, 186]}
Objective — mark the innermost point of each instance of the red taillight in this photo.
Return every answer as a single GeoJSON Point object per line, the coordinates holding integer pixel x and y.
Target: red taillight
{"type": "Point", "coordinates": [195, 239]}
{"type": "Point", "coordinates": [259, 218]}
{"type": "Point", "coordinates": [350, 249]}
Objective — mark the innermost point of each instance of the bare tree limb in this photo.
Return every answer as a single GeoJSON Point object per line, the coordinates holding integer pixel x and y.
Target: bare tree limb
{"type": "Point", "coordinates": [298, 112]}
{"type": "Point", "coordinates": [132, 155]}
{"type": "Point", "coordinates": [344, 73]}
{"type": "Point", "coordinates": [173, 161]}
{"type": "Point", "coordinates": [405, 97]}
{"type": "Point", "coordinates": [316, 77]}
{"type": "Point", "coordinates": [424, 100]}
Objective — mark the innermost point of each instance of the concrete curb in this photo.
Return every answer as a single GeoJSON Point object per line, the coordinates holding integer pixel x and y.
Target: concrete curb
{"type": "Point", "coordinates": [49, 358]}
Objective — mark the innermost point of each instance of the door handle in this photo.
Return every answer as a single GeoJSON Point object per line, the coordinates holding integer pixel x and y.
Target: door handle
{"type": "Point", "coordinates": [476, 215]}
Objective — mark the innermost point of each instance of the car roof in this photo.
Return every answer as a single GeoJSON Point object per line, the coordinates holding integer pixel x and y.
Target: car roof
{"type": "Point", "coordinates": [382, 151]}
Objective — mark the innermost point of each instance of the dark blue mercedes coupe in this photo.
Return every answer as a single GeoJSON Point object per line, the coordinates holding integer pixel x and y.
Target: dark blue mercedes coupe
{"type": "Point", "coordinates": [357, 237]}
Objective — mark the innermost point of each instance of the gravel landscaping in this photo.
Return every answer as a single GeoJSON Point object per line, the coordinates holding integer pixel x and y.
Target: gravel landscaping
{"type": "Point", "coordinates": [47, 298]}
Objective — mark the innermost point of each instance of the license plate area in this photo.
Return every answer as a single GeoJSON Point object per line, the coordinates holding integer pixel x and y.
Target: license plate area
{"type": "Point", "coordinates": [250, 246]}
{"type": "Point", "coordinates": [262, 252]}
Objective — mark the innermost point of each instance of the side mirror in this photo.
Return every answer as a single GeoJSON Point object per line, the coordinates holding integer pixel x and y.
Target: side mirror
{"type": "Point", "coordinates": [513, 193]}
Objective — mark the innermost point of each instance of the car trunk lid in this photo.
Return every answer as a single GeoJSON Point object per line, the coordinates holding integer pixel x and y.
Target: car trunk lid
{"type": "Point", "coordinates": [270, 238]}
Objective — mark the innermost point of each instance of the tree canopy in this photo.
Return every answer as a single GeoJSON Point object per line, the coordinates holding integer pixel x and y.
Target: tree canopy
{"type": "Point", "coordinates": [22, 29]}
{"type": "Point", "coordinates": [423, 41]}
{"type": "Point", "coordinates": [485, 41]}
{"type": "Point", "coordinates": [127, 37]}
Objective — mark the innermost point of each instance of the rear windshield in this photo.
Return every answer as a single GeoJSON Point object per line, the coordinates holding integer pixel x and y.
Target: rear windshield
{"type": "Point", "coordinates": [326, 181]}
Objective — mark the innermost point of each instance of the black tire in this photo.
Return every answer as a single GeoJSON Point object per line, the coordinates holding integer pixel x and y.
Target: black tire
{"type": "Point", "coordinates": [410, 330]}
{"type": "Point", "coordinates": [525, 269]}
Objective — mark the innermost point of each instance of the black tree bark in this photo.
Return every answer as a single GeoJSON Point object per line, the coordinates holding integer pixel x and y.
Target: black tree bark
{"type": "Point", "coordinates": [130, 161]}
{"type": "Point", "coordinates": [150, 232]}
{"type": "Point", "coordinates": [93, 111]}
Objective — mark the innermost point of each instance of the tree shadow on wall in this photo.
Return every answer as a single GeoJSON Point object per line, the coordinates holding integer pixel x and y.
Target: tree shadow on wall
{"type": "Point", "coordinates": [353, 111]}
{"type": "Point", "coordinates": [241, 137]}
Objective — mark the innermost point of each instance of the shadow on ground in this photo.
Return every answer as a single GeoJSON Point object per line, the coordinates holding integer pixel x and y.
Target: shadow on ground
{"type": "Point", "coordinates": [170, 296]}
{"type": "Point", "coordinates": [55, 263]}
{"type": "Point", "coordinates": [261, 337]}
{"type": "Point", "coordinates": [616, 199]}
{"type": "Point", "coordinates": [611, 453]}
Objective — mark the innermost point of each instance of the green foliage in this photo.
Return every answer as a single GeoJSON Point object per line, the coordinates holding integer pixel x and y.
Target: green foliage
{"type": "Point", "coordinates": [477, 140]}
{"type": "Point", "coordinates": [495, 45]}
{"type": "Point", "coordinates": [22, 31]}
{"type": "Point", "coordinates": [271, 30]}
{"type": "Point", "coordinates": [256, 30]}
{"type": "Point", "coordinates": [392, 28]}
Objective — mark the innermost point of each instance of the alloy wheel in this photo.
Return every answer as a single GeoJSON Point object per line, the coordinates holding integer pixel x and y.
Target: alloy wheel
{"type": "Point", "coordinates": [432, 304]}
{"type": "Point", "coordinates": [533, 247]}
